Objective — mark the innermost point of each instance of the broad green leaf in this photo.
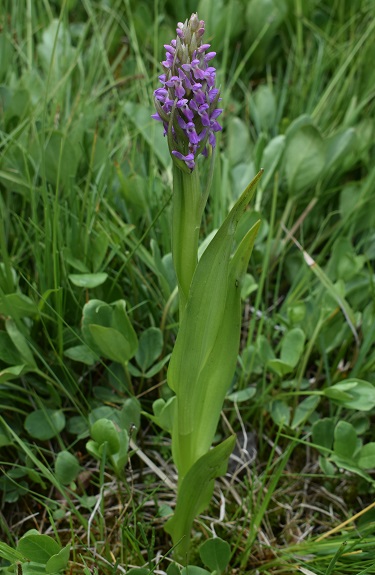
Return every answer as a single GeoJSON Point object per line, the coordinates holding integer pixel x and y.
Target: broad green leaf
{"type": "Point", "coordinates": [43, 424]}
{"type": "Point", "coordinates": [305, 159]}
{"type": "Point", "coordinates": [172, 569]}
{"type": "Point", "coordinates": [263, 108]}
{"type": "Point", "coordinates": [138, 571]}
{"type": "Point", "coordinates": [120, 458]}
{"type": "Point", "coordinates": [164, 412]}
{"type": "Point", "coordinates": [322, 433]}
{"type": "Point", "coordinates": [366, 456]}
{"type": "Point", "coordinates": [150, 346]}
{"type": "Point", "coordinates": [130, 414]}
{"type": "Point", "coordinates": [205, 354]}
{"type": "Point", "coordinates": [338, 146]}
{"type": "Point", "coordinates": [215, 554]}
{"type": "Point", "coordinates": [304, 410]}
{"type": "Point", "coordinates": [195, 492]}
{"type": "Point", "coordinates": [350, 465]}
{"type": "Point", "coordinates": [326, 466]}
{"type": "Point", "coordinates": [280, 412]}
{"type": "Point", "coordinates": [67, 467]}
{"type": "Point", "coordinates": [292, 346]}
{"type": "Point", "coordinates": [353, 394]}
{"type": "Point", "coordinates": [9, 354]}
{"type": "Point", "coordinates": [18, 305]}
{"type": "Point", "coordinates": [37, 547]}
{"type": "Point", "coordinates": [104, 430]}
{"type": "Point", "coordinates": [242, 394]}
{"type": "Point", "coordinates": [114, 318]}
{"type": "Point", "coordinates": [59, 561]}
{"type": "Point", "coordinates": [20, 342]}
{"type": "Point", "coordinates": [10, 373]}
{"type": "Point", "coordinates": [88, 280]}
{"type": "Point", "coordinates": [111, 343]}
{"type": "Point", "coordinates": [345, 440]}
{"type": "Point", "coordinates": [156, 367]}
{"type": "Point", "coordinates": [81, 353]}
{"type": "Point", "coordinates": [194, 570]}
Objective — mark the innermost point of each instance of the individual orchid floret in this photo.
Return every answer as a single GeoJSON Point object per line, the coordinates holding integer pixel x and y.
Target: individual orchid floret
{"type": "Point", "coordinates": [187, 102]}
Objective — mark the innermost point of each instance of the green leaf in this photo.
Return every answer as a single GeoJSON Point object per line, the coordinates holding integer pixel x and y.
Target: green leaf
{"type": "Point", "coordinates": [59, 561]}
{"type": "Point", "coordinates": [138, 571]}
{"type": "Point", "coordinates": [215, 554]}
{"type": "Point", "coordinates": [304, 410]}
{"type": "Point", "coordinates": [149, 348]}
{"type": "Point", "coordinates": [130, 414]}
{"type": "Point", "coordinates": [67, 467]}
{"type": "Point", "coordinates": [14, 372]}
{"type": "Point", "coordinates": [18, 305]}
{"type": "Point", "coordinates": [172, 569]}
{"type": "Point", "coordinates": [280, 412]}
{"type": "Point", "coordinates": [194, 570]}
{"type": "Point", "coordinates": [195, 492]}
{"type": "Point", "coordinates": [353, 394]}
{"type": "Point", "coordinates": [366, 456]}
{"type": "Point", "coordinates": [38, 548]}
{"type": "Point", "coordinates": [81, 353]}
{"type": "Point", "coordinates": [292, 346]}
{"type": "Point", "coordinates": [110, 342]}
{"type": "Point", "coordinates": [20, 343]}
{"type": "Point", "coordinates": [164, 413]}
{"type": "Point", "coordinates": [43, 424]}
{"type": "Point", "coordinates": [338, 146]}
{"type": "Point", "coordinates": [305, 159]}
{"type": "Point", "coordinates": [242, 394]}
{"type": "Point", "coordinates": [9, 354]}
{"type": "Point", "coordinates": [322, 433]}
{"type": "Point", "coordinates": [88, 280]}
{"type": "Point", "coordinates": [120, 341]}
{"type": "Point", "coordinates": [205, 353]}
{"type": "Point", "coordinates": [104, 430]}
{"type": "Point", "coordinates": [345, 440]}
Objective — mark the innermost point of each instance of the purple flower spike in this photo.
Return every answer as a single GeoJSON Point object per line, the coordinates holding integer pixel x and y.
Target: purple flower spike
{"type": "Point", "coordinates": [188, 96]}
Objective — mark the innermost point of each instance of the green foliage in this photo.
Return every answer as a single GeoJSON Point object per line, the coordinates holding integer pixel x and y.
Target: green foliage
{"type": "Point", "coordinates": [85, 188]}
{"type": "Point", "coordinates": [37, 553]}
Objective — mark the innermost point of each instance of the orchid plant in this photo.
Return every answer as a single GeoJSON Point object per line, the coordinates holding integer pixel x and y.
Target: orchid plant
{"type": "Point", "coordinates": [203, 361]}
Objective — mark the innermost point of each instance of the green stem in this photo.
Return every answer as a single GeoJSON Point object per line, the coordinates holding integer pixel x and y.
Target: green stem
{"type": "Point", "coordinates": [186, 221]}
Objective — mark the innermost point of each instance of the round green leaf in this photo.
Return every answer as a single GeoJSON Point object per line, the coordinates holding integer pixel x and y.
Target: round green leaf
{"type": "Point", "coordinates": [37, 547]}
{"type": "Point", "coordinates": [366, 457]}
{"type": "Point", "coordinates": [66, 467]}
{"type": "Point", "coordinates": [215, 554]}
{"type": "Point", "coordinates": [43, 424]}
{"type": "Point", "coordinates": [59, 561]}
{"type": "Point", "coordinates": [104, 430]}
{"type": "Point", "coordinates": [88, 280]}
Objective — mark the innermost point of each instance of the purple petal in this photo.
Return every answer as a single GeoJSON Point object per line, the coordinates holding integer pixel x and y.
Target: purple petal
{"type": "Point", "coordinates": [203, 48]}
{"type": "Point", "coordinates": [189, 159]}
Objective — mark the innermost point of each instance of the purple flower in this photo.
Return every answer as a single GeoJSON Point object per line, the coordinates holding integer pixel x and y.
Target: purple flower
{"type": "Point", "coordinates": [188, 99]}
{"type": "Point", "coordinates": [189, 159]}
